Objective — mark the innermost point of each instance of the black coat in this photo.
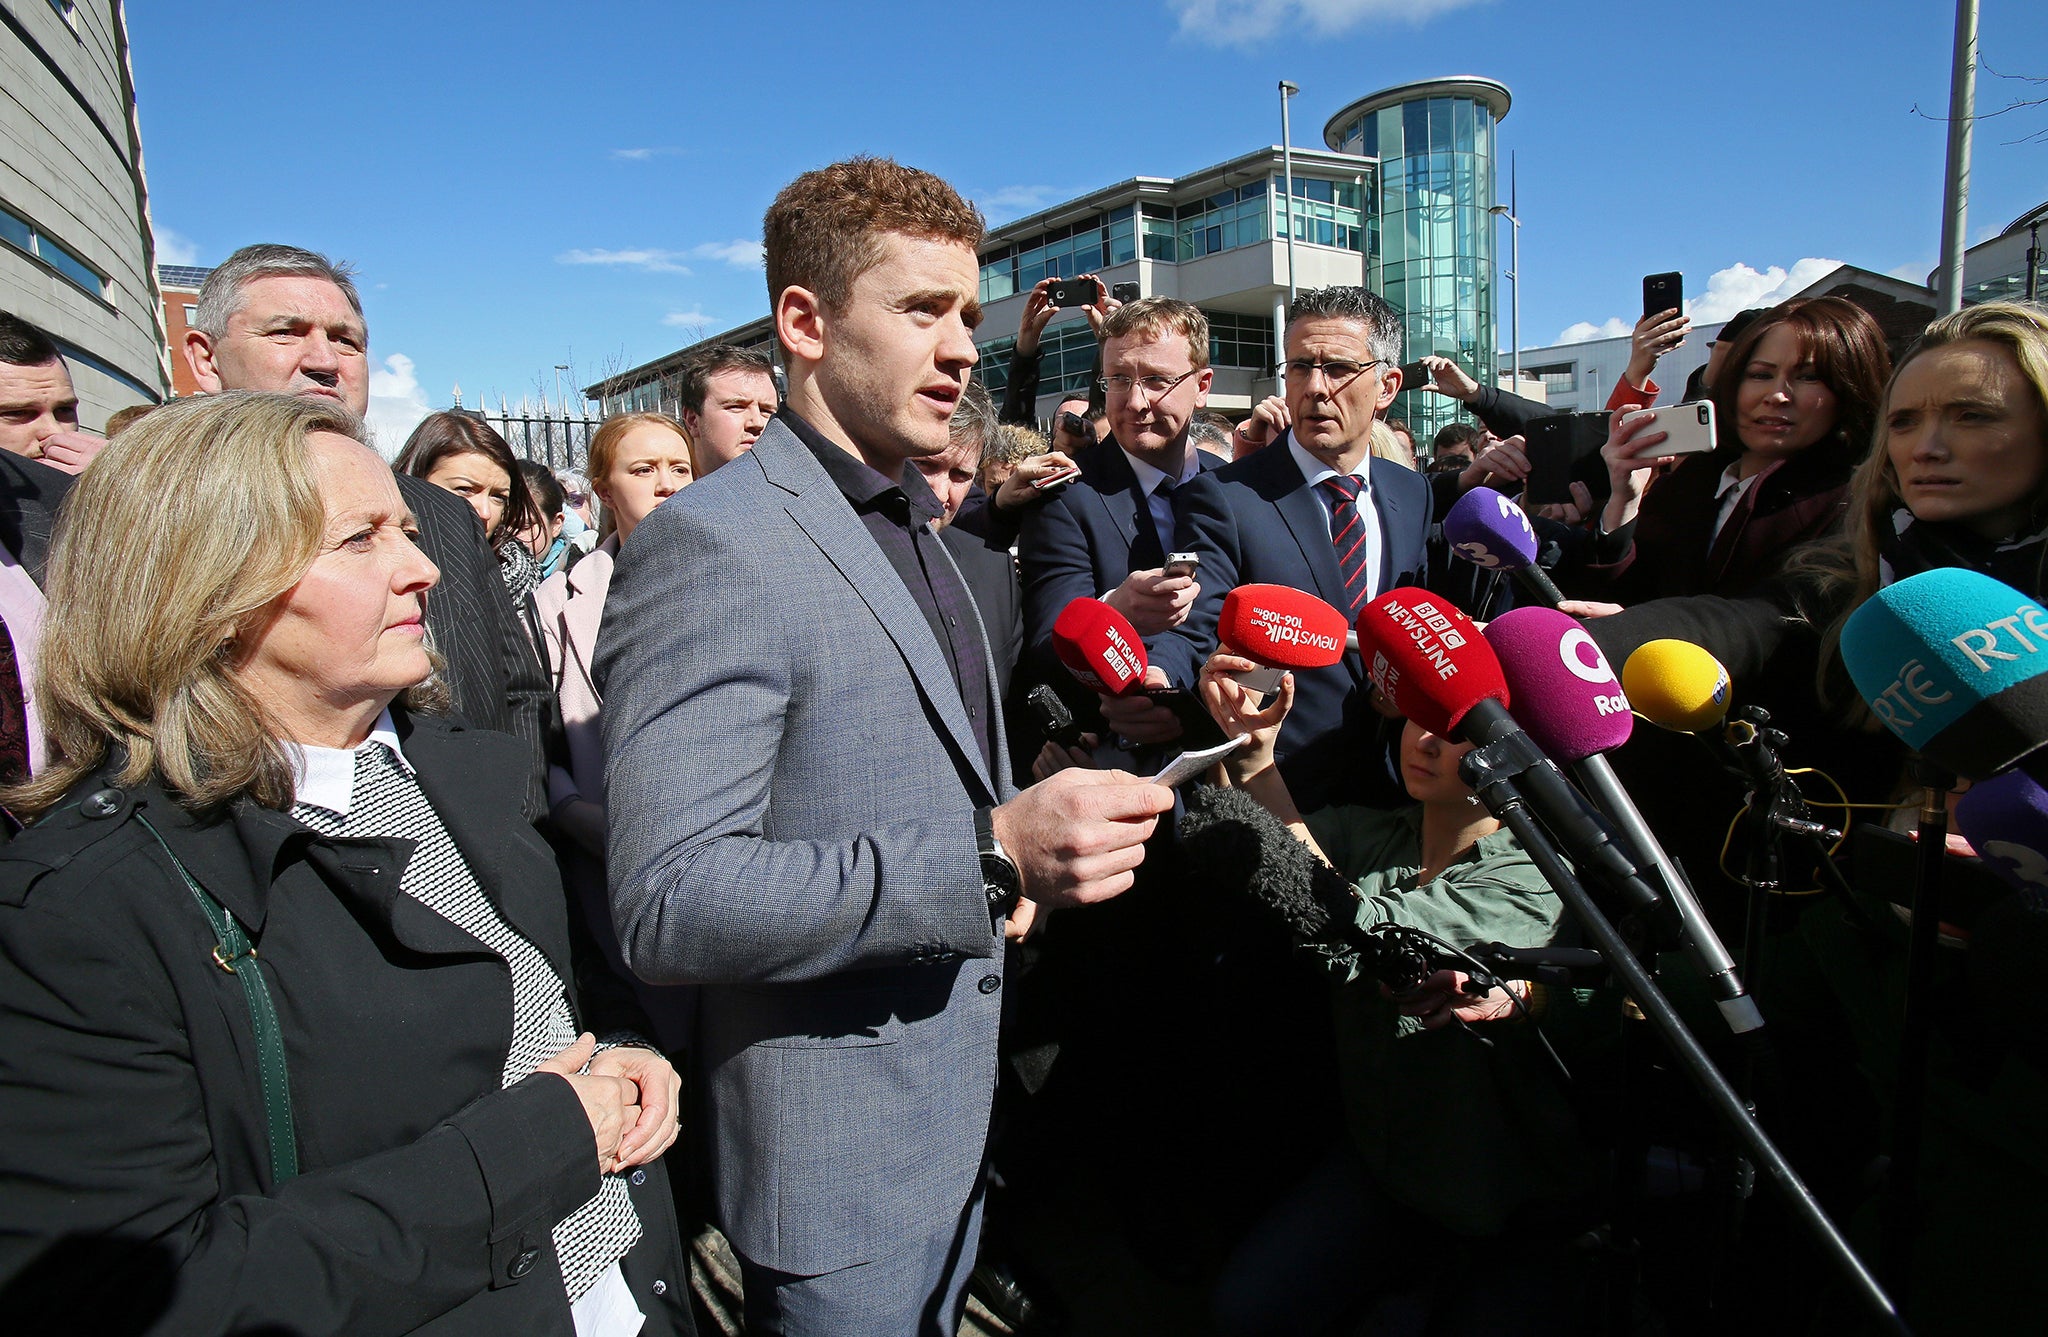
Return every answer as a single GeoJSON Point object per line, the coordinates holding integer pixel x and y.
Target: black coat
{"type": "Point", "coordinates": [135, 1185]}
{"type": "Point", "coordinates": [29, 496]}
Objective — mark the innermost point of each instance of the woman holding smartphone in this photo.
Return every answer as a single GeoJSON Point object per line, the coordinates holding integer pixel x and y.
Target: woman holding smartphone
{"type": "Point", "coordinates": [1794, 407]}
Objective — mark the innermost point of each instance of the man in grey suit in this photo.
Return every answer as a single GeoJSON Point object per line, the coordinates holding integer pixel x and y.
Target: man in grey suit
{"type": "Point", "coordinates": [805, 762]}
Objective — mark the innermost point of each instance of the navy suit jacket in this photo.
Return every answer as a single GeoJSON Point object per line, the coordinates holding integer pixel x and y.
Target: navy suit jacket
{"type": "Point", "coordinates": [1078, 545]}
{"type": "Point", "coordinates": [1256, 521]}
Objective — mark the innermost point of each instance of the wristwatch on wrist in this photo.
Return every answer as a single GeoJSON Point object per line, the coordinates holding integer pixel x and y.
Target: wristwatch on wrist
{"type": "Point", "coordinates": [1000, 880]}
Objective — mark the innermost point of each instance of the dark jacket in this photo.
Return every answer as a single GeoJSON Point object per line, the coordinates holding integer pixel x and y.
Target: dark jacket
{"type": "Point", "coordinates": [1672, 549]}
{"type": "Point", "coordinates": [496, 678]}
{"type": "Point", "coordinates": [29, 496]}
{"type": "Point", "coordinates": [1257, 521]}
{"type": "Point", "coordinates": [135, 1184]}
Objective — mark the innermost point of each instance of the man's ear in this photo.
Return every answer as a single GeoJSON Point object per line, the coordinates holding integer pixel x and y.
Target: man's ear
{"type": "Point", "coordinates": [1203, 380]}
{"type": "Point", "coordinates": [1390, 385]}
{"type": "Point", "coordinates": [800, 322]}
{"type": "Point", "coordinates": [199, 356]}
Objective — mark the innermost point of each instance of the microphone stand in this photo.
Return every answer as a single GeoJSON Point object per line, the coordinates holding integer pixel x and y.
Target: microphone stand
{"type": "Point", "coordinates": [1923, 945]}
{"type": "Point", "coordinates": [1492, 770]}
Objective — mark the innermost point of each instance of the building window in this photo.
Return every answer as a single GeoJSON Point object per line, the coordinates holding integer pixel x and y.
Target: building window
{"type": "Point", "coordinates": [1326, 213]}
{"type": "Point", "coordinates": [191, 314]}
{"type": "Point", "coordinates": [1560, 378]}
{"type": "Point", "coordinates": [1082, 248]}
{"type": "Point", "coordinates": [1224, 221]}
{"type": "Point", "coordinates": [1066, 361]}
{"type": "Point", "coordinates": [1240, 341]}
{"type": "Point", "coordinates": [67, 11]}
{"type": "Point", "coordinates": [24, 236]}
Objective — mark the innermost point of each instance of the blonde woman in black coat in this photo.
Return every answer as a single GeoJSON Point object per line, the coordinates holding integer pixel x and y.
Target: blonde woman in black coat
{"type": "Point", "coordinates": [289, 1031]}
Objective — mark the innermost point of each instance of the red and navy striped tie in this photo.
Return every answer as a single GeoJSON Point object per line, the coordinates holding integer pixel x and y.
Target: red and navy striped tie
{"type": "Point", "coordinates": [1347, 531]}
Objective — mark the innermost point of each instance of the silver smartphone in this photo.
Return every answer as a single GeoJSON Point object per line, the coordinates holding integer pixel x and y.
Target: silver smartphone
{"type": "Point", "coordinates": [1183, 563]}
{"type": "Point", "coordinates": [1688, 428]}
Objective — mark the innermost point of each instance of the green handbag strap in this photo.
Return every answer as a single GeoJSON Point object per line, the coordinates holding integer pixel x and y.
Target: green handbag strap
{"type": "Point", "coordinates": [237, 955]}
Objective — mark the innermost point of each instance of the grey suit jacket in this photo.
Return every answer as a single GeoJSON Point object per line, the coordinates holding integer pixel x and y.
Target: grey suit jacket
{"type": "Point", "coordinates": [790, 782]}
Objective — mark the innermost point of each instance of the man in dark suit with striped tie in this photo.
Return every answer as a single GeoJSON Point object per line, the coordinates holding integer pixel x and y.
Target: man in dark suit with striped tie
{"type": "Point", "coordinates": [1316, 511]}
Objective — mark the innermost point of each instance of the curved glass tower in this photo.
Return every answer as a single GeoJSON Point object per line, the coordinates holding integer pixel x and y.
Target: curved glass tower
{"type": "Point", "coordinates": [1431, 249]}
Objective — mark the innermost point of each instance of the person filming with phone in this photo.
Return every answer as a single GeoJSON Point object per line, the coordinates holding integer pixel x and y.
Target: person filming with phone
{"type": "Point", "coordinates": [1795, 404]}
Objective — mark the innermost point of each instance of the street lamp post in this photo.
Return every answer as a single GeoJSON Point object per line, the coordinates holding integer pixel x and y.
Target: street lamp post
{"type": "Point", "coordinates": [561, 367]}
{"type": "Point", "coordinates": [1288, 90]}
{"type": "Point", "coordinates": [1514, 294]}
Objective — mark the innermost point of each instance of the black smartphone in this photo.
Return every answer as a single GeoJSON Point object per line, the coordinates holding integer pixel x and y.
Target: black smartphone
{"type": "Point", "coordinates": [1073, 292]}
{"type": "Point", "coordinates": [1556, 447]}
{"type": "Point", "coordinates": [1414, 376]}
{"type": "Point", "coordinates": [1124, 292]}
{"type": "Point", "coordinates": [1051, 715]}
{"type": "Point", "coordinates": [1663, 292]}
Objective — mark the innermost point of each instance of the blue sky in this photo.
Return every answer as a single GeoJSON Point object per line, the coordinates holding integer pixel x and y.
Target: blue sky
{"type": "Point", "coordinates": [522, 185]}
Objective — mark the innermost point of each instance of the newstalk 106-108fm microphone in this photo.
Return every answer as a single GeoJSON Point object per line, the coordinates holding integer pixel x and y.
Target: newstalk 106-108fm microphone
{"type": "Point", "coordinates": [1492, 532]}
{"type": "Point", "coordinates": [1573, 706]}
{"type": "Point", "coordinates": [1956, 664]}
{"type": "Point", "coordinates": [1282, 628]}
{"type": "Point", "coordinates": [1100, 647]}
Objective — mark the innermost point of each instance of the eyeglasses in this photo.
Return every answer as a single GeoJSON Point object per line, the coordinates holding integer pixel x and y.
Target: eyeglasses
{"type": "Point", "coordinates": [1337, 374]}
{"type": "Point", "coordinates": [1154, 386]}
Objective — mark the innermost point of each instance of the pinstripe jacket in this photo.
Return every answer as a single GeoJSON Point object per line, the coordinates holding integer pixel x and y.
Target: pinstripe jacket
{"type": "Point", "coordinates": [496, 679]}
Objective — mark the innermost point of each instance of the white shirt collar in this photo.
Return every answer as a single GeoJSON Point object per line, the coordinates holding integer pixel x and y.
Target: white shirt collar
{"type": "Point", "coordinates": [1151, 476]}
{"type": "Point", "coordinates": [1730, 478]}
{"type": "Point", "coordinates": [1315, 471]}
{"type": "Point", "coordinates": [326, 776]}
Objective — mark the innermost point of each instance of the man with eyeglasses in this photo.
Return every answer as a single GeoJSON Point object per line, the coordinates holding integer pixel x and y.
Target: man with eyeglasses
{"type": "Point", "coordinates": [1108, 535]}
{"type": "Point", "coordinates": [1316, 511]}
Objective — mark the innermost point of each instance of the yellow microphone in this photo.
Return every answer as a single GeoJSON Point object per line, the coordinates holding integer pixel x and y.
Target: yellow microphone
{"type": "Point", "coordinates": [1676, 685]}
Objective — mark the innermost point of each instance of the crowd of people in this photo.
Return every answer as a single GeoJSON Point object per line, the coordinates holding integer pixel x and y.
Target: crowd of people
{"type": "Point", "coordinates": [440, 891]}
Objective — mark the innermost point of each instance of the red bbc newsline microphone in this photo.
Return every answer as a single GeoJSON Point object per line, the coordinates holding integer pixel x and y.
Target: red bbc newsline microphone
{"type": "Point", "coordinates": [1428, 659]}
{"type": "Point", "coordinates": [1282, 628]}
{"type": "Point", "coordinates": [1100, 647]}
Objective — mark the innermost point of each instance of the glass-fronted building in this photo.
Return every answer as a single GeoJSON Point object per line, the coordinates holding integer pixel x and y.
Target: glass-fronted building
{"type": "Point", "coordinates": [1398, 202]}
{"type": "Point", "coordinates": [1433, 242]}
{"type": "Point", "coordinates": [1216, 237]}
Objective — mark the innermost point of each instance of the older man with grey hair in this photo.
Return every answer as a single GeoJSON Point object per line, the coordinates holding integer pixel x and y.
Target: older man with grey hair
{"type": "Point", "coordinates": [1315, 510]}
{"type": "Point", "coordinates": [288, 320]}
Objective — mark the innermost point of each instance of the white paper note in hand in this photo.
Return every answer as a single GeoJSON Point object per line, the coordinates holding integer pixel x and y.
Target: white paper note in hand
{"type": "Point", "coordinates": [1188, 765]}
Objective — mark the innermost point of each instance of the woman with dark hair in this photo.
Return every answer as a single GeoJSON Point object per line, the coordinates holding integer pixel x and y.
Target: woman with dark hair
{"type": "Point", "coordinates": [1794, 406]}
{"type": "Point", "coordinates": [465, 456]}
{"type": "Point", "coordinates": [546, 541]}
{"type": "Point", "coordinates": [290, 1031]}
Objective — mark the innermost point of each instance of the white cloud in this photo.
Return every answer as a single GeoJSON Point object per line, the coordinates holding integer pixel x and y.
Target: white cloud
{"type": "Point", "coordinates": [647, 258]}
{"type": "Point", "coordinates": [740, 254]}
{"type": "Point", "coordinates": [397, 403]}
{"type": "Point", "coordinates": [173, 248]}
{"type": "Point", "coordinates": [694, 318]}
{"type": "Point", "coordinates": [1613, 328]}
{"type": "Point", "coordinates": [642, 155]}
{"type": "Point", "coordinates": [1739, 287]}
{"type": "Point", "coordinates": [1015, 201]}
{"type": "Point", "coordinates": [1243, 22]}
{"type": "Point", "coordinates": [1736, 288]}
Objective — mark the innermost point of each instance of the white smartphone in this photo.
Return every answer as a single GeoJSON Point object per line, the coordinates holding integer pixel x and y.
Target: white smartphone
{"type": "Point", "coordinates": [1188, 765]}
{"type": "Point", "coordinates": [1688, 428]}
{"type": "Point", "coordinates": [1183, 563]}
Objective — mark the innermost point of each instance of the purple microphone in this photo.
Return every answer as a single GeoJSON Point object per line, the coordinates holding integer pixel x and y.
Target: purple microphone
{"type": "Point", "coordinates": [2005, 819]}
{"type": "Point", "coordinates": [1490, 531]}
